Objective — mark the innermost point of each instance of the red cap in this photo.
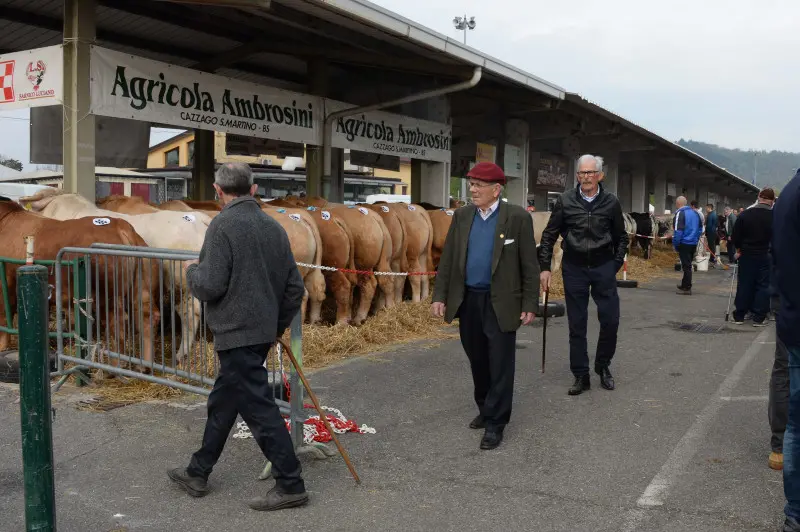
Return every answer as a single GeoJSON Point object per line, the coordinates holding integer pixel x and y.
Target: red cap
{"type": "Point", "coordinates": [489, 172]}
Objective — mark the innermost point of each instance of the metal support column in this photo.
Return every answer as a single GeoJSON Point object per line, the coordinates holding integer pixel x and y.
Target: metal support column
{"type": "Point", "coordinates": [203, 166]}
{"type": "Point", "coordinates": [78, 130]}
{"type": "Point", "coordinates": [315, 169]}
{"type": "Point", "coordinates": [660, 191]}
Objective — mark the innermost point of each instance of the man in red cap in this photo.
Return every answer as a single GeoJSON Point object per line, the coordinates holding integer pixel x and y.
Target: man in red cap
{"type": "Point", "coordinates": [488, 277]}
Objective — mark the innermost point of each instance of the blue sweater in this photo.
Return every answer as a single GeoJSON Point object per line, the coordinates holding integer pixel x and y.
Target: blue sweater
{"type": "Point", "coordinates": [711, 223]}
{"type": "Point", "coordinates": [786, 257]}
{"type": "Point", "coordinates": [479, 251]}
{"type": "Point", "coordinates": [687, 227]}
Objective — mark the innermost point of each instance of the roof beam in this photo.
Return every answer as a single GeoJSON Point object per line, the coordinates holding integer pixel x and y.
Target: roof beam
{"type": "Point", "coordinates": [56, 24]}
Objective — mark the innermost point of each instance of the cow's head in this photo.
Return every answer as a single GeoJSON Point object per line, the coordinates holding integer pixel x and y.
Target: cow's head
{"type": "Point", "coordinates": [37, 202]}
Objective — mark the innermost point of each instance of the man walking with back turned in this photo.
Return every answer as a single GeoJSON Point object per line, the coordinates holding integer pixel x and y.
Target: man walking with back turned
{"type": "Point", "coordinates": [688, 227]}
{"type": "Point", "coordinates": [249, 281]}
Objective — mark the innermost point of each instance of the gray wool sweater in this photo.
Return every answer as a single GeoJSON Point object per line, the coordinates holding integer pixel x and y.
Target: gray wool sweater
{"type": "Point", "coordinates": [247, 277]}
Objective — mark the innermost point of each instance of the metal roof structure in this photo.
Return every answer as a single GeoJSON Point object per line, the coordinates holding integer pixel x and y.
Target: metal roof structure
{"type": "Point", "coordinates": [100, 171]}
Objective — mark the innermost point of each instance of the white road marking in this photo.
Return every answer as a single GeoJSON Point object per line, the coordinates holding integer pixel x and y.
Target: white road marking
{"type": "Point", "coordinates": [747, 398]}
{"type": "Point", "coordinates": [687, 447]}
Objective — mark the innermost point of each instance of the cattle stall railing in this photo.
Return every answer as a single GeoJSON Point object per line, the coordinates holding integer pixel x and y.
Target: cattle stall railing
{"type": "Point", "coordinates": [75, 288]}
{"type": "Point", "coordinates": [143, 323]}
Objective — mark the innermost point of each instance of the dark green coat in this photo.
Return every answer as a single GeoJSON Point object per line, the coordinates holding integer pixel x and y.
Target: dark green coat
{"type": "Point", "coordinates": [515, 268]}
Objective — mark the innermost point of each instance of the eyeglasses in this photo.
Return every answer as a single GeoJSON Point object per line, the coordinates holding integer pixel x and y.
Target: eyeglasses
{"type": "Point", "coordinates": [587, 173]}
{"type": "Point", "coordinates": [479, 185]}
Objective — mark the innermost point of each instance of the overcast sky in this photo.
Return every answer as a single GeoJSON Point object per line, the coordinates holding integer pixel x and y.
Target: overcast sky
{"type": "Point", "coordinates": [720, 71]}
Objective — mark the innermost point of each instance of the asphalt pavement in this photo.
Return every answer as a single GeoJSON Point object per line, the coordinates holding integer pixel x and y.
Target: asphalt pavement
{"type": "Point", "coordinates": [680, 445]}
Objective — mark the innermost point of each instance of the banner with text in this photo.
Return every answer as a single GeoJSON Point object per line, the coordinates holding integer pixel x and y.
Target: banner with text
{"type": "Point", "coordinates": [390, 134]}
{"type": "Point", "coordinates": [33, 78]}
{"type": "Point", "coordinates": [127, 86]}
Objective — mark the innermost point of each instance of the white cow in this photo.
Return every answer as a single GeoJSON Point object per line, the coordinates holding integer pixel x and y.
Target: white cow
{"type": "Point", "coordinates": [163, 229]}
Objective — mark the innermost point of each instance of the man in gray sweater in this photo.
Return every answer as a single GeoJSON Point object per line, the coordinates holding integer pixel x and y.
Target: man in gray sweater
{"type": "Point", "coordinates": [248, 279]}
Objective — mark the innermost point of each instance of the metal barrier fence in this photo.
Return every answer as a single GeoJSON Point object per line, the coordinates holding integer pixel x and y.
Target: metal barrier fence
{"type": "Point", "coordinates": [133, 316]}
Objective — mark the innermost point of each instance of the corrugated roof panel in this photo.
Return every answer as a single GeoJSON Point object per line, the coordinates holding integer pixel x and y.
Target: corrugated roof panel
{"type": "Point", "coordinates": [51, 8]}
{"type": "Point", "coordinates": [168, 34]}
{"type": "Point", "coordinates": [16, 36]}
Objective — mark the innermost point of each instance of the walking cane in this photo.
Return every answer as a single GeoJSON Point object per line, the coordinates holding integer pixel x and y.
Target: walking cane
{"type": "Point", "coordinates": [544, 327]}
{"type": "Point", "coordinates": [322, 414]}
{"type": "Point", "coordinates": [730, 292]}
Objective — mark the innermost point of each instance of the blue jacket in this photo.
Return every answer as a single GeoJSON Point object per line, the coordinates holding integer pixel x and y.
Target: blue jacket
{"type": "Point", "coordinates": [711, 223]}
{"type": "Point", "coordinates": [687, 227]}
{"type": "Point", "coordinates": [786, 257]}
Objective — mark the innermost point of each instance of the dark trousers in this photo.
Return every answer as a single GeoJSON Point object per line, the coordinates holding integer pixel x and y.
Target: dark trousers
{"type": "Point", "coordinates": [791, 438]}
{"type": "Point", "coordinates": [491, 354]}
{"type": "Point", "coordinates": [242, 387]}
{"type": "Point", "coordinates": [731, 252]}
{"type": "Point", "coordinates": [686, 254]}
{"type": "Point", "coordinates": [752, 290]}
{"type": "Point", "coordinates": [778, 408]}
{"type": "Point", "coordinates": [711, 238]}
{"type": "Point", "coordinates": [601, 282]}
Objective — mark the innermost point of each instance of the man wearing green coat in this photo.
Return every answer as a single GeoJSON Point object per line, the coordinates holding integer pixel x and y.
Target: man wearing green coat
{"type": "Point", "coordinates": [488, 278]}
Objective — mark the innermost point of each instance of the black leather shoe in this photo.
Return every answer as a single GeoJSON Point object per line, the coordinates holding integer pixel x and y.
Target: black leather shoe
{"type": "Point", "coordinates": [491, 439]}
{"type": "Point", "coordinates": [278, 500]}
{"type": "Point", "coordinates": [477, 423]}
{"type": "Point", "coordinates": [580, 385]}
{"type": "Point", "coordinates": [606, 379]}
{"type": "Point", "coordinates": [194, 486]}
{"type": "Point", "coordinates": [791, 525]}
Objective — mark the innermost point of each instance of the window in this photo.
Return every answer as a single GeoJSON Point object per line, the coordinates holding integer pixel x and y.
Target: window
{"type": "Point", "coordinates": [172, 158]}
{"type": "Point", "coordinates": [405, 190]}
{"type": "Point", "coordinates": [191, 151]}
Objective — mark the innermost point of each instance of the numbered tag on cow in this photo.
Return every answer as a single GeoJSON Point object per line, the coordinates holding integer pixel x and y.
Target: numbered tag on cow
{"type": "Point", "coordinates": [295, 217]}
{"type": "Point", "coordinates": [412, 208]}
{"type": "Point", "coordinates": [326, 215]}
{"type": "Point", "coordinates": [384, 208]}
{"type": "Point", "coordinates": [101, 221]}
{"type": "Point", "coordinates": [363, 210]}
{"type": "Point", "coordinates": [281, 211]}
{"type": "Point", "coordinates": [189, 218]}
{"type": "Point", "coordinates": [448, 212]}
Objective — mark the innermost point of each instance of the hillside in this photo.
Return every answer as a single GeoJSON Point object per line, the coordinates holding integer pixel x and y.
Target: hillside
{"type": "Point", "coordinates": [774, 168]}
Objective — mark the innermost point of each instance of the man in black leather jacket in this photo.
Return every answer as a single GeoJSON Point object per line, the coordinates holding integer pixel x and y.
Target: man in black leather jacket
{"type": "Point", "coordinates": [589, 219]}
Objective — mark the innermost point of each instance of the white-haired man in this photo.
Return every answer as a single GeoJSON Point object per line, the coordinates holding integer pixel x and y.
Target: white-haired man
{"type": "Point", "coordinates": [589, 219]}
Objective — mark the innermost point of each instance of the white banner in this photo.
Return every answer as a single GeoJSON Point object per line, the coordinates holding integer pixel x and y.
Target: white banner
{"type": "Point", "coordinates": [33, 78]}
{"type": "Point", "coordinates": [127, 86]}
{"type": "Point", "coordinates": [390, 134]}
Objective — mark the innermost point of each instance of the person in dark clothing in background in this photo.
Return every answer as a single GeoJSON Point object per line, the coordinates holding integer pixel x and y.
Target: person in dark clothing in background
{"type": "Point", "coordinates": [590, 221]}
{"type": "Point", "coordinates": [688, 227]}
{"type": "Point", "coordinates": [752, 236]}
{"type": "Point", "coordinates": [786, 252]}
{"type": "Point", "coordinates": [711, 232]}
{"type": "Point", "coordinates": [730, 222]}
{"type": "Point", "coordinates": [248, 278]}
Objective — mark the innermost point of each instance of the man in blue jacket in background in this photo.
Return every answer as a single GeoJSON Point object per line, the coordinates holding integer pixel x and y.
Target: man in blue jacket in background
{"type": "Point", "coordinates": [786, 251]}
{"type": "Point", "coordinates": [685, 238]}
{"type": "Point", "coordinates": [711, 231]}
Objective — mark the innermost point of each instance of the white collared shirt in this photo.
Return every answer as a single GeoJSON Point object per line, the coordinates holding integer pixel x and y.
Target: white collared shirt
{"type": "Point", "coordinates": [488, 212]}
{"type": "Point", "coordinates": [589, 198]}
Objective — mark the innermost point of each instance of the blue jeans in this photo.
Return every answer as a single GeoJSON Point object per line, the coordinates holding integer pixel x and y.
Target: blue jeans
{"type": "Point", "coordinates": [791, 438]}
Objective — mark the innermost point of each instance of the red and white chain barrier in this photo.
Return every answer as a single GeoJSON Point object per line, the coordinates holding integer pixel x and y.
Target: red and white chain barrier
{"type": "Point", "coordinates": [314, 429]}
{"type": "Point", "coordinates": [360, 272]}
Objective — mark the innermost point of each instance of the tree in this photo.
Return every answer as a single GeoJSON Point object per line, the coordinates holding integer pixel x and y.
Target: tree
{"type": "Point", "coordinates": [11, 163]}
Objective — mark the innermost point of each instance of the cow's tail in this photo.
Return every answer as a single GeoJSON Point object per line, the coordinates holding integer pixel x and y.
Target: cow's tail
{"type": "Point", "coordinates": [312, 225]}
{"type": "Point", "coordinates": [351, 252]}
{"type": "Point", "coordinates": [429, 243]}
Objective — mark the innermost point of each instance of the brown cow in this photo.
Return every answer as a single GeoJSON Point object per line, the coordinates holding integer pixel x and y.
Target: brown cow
{"type": "Point", "coordinates": [418, 232]}
{"type": "Point", "coordinates": [399, 259]}
{"type": "Point", "coordinates": [50, 236]}
{"type": "Point", "coordinates": [126, 204]}
{"type": "Point", "coordinates": [203, 205]}
{"type": "Point", "coordinates": [441, 220]}
{"type": "Point", "coordinates": [307, 247]}
{"type": "Point", "coordinates": [373, 251]}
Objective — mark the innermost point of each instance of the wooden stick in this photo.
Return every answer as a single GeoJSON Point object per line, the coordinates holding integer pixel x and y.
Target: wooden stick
{"type": "Point", "coordinates": [322, 414]}
{"type": "Point", "coordinates": [544, 330]}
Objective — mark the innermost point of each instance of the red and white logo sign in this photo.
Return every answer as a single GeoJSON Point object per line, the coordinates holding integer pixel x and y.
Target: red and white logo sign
{"type": "Point", "coordinates": [6, 81]}
{"type": "Point", "coordinates": [35, 73]}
